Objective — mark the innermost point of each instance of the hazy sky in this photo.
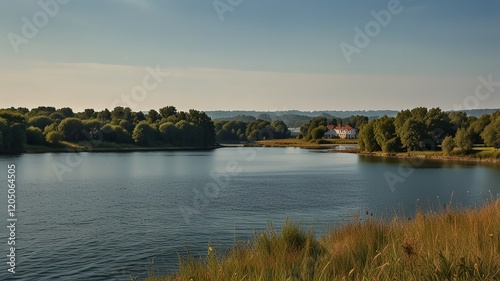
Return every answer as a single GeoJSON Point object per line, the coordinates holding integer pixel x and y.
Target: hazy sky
{"type": "Point", "coordinates": [249, 54]}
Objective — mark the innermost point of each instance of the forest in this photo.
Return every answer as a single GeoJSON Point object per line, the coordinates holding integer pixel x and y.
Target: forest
{"type": "Point", "coordinates": [243, 131]}
{"type": "Point", "coordinates": [51, 127]}
{"type": "Point", "coordinates": [417, 129]}
{"type": "Point", "coordinates": [422, 129]}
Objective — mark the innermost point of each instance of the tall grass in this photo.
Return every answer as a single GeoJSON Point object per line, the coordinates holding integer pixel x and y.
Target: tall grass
{"type": "Point", "coordinates": [450, 245]}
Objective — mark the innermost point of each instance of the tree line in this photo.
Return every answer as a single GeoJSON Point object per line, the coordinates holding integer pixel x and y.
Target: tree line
{"type": "Point", "coordinates": [241, 131]}
{"type": "Point", "coordinates": [46, 125]}
{"type": "Point", "coordinates": [429, 129]}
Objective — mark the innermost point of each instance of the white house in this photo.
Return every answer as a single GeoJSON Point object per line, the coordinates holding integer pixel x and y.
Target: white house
{"type": "Point", "coordinates": [346, 132]}
{"type": "Point", "coordinates": [294, 132]}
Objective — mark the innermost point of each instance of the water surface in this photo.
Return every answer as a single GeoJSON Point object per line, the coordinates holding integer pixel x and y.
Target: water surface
{"type": "Point", "coordinates": [112, 213]}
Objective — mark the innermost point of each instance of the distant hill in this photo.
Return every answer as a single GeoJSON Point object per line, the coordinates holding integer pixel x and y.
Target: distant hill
{"type": "Point", "coordinates": [479, 112]}
{"type": "Point", "coordinates": [295, 118]}
{"type": "Point", "coordinates": [230, 114]}
{"type": "Point", "coordinates": [226, 114]}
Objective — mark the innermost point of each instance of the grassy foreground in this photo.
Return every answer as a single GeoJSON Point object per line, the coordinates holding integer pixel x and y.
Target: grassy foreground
{"type": "Point", "coordinates": [451, 245]}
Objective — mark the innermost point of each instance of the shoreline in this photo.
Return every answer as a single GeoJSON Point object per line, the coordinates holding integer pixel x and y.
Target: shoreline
{"type": "Point", "coordinates": [349, 149]}
{"type": "Point", "coordinates": [406, 155]}
{"type": "Point", "coordinates": [110, 150]}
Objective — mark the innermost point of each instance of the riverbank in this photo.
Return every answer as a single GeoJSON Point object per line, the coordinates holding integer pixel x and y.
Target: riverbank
{"type": "Point", "coordinates": [485, 156]}
{"type": "Point", "coordinates": [448, 245]}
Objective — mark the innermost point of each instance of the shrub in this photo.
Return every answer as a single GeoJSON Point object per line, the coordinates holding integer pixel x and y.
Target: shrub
{"type": "Point", "coordinates": [34, 136]}
{"type": "Point", "coordinates": [448, 145]}
{"type": "Point", "coordinates": [53, 137]}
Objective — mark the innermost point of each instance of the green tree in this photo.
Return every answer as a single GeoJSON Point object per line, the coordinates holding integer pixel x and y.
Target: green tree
{"type": "Point", "coordinates": [41, 111]}
{"type": "Point", "coordinates": [463, 140]}
{"type": "Point", "coordinates": [413, 134]}
{"type": "Point", "coordinates": [186, 132]}
{"type": "Point", "coordinates": [152, 116]}
{"type": "Point", "coordinates": [259, 130]}
{"type": "Point", "coordinates": [104, 116]}
{"type": "Point", "coordinates": [138, 117]}
{"type": "Point", "coordinates": [448, 145]}
{"type": "Point", "coordinates": [168, 111]}
{"type": "Point", "coordinates": [117, 114]}
{"type": "Point", "coordinates": [50, 128]}
{"type": "Point", "coordinates": [143, 134]}
{"type": "Point", "coordinates": [87, 114]}
{"type": "Point", "coordinates": [491, 133]}
{"type": "Point", "coordinates": [40, 122]}
{"type": "Point", "coordinates": [66, 112]}
{"type": "Point", "coordinates": [318, 132]}
{"type": "Point", "coordinates": [54, 137]}
{"type": "Point", "coordinates": [307, 129]}
{"type": "Point", "coordinates": [115, 133]}
{"type": "Point", "coordinates": [385, 134]}
{"type": "Point", "coordinates": [169, 133]}
{"type": "Point", "coordinates": [419, 113]}
{"type": "Point", "coordinates": [400, 121]}
{"type": "Point", "coordinates": [127, 125]}
{"type": "Point", "coordinates": [92, 128]}
{"type": "Point", "coordinates": [34, 136]}
{"type": "Point", "coordinates": [281, 130]}
{"type": "Point", "coordinates": [205, 127]}
{"type": "Point", "coordinates": [72, 129]}
{"type": "Point", "coordinates": [22, 110]}
{"type": "Point", "coordinates": [230, 130]}
{"type": "Point", "coordinates": [458, 120]}
{"type": "Point", "coordinates": [13, 131]}
{"type": "Point", "coordinates": [438, 125]}
{"type": "Point", "coordinates": [56, 117]}
{"type": "Point", "coordinates": [477, 127]}
{"type": "Point", "coordinates": [366, 138]}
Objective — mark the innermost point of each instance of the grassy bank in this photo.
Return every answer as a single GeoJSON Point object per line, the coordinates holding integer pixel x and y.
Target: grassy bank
{"type": "Point", "coordinates": [450, 245]}
{"type": "Point", "coordinates": [478, 154]}
{"type": "Point", "coordinates": [313, 144]}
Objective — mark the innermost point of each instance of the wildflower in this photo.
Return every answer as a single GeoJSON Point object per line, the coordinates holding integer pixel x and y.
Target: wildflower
{"type": "Point", "coordinates": [476, 267]}
{"type": "Point", "coordinates": [210, 249]}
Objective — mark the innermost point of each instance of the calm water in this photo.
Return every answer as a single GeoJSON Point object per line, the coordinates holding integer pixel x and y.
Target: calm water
{"type": "Point", "coordinates": [112, 213]}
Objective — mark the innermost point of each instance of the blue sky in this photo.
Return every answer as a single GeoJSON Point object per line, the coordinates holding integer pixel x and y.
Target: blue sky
{"type": "Point", "coordinates": [263, 55]}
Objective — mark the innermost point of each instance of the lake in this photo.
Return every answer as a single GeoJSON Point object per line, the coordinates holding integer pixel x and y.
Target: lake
{"type": "Point", "coordinates": [102, 216]}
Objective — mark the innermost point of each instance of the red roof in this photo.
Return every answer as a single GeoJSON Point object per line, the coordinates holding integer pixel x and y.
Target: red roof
{"type": "Point", "coordinates": [344, 128]}
{"type": "Point", "coordinates": [330, 127]}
